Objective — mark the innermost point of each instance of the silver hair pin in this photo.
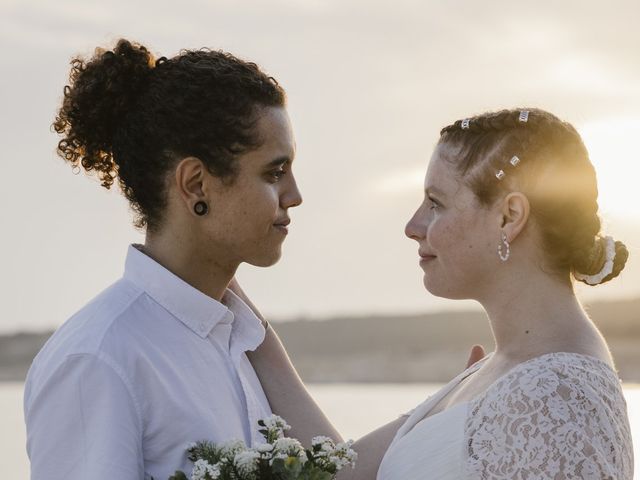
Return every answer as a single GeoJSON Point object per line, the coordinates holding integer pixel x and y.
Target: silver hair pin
{"type": "Point", "coordinates": [524, 116]}
{"type": "Point", "coordinates": [465, 123]}
{"type": "Point", "coordinates": [515, 160]}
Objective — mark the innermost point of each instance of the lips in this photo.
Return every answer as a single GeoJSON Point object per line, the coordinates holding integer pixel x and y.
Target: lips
{"type": "Point", "coordinates": [281, 226]}
{"type": "Point", "coordinates": [425, 258]}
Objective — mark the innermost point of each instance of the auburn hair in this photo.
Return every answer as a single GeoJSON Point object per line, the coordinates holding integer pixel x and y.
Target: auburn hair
{"type": "Point", "coordinates": [552, 168]}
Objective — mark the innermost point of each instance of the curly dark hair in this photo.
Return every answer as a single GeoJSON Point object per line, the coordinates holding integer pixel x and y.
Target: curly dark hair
{"type": "Point", "coordinates": [128, 116]}
{"type": "Point", "coordinates": [554, 172]}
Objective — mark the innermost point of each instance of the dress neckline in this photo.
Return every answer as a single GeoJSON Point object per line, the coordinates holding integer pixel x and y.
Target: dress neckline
{"type": "Point", "coordinates": [419, 414]}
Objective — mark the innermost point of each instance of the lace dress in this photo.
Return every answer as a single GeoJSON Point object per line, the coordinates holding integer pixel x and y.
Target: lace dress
{"type": "Point", "coordinates": [557, 416]}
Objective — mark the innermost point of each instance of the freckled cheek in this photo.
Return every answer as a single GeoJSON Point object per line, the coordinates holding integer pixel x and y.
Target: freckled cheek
{"type": "Point", "coordinates": [442, 236]}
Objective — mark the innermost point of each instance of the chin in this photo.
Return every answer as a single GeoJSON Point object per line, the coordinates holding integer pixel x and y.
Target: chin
{"type": "Point", "coordinates": [438, 289]}
{"type": "Point", "coordinates": [267, 259]}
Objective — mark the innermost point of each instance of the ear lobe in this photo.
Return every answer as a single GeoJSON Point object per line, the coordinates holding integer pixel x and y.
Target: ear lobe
{"type": "Point", "coordinates": [515, 214]}
{"type": "Point", "coordinates": [189, 179]}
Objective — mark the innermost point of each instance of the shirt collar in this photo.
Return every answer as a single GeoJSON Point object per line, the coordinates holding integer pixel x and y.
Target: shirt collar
{"type": "Point", "coordinates": [248, 332]}
{"type": "Point", "coordinates": [197, 311]}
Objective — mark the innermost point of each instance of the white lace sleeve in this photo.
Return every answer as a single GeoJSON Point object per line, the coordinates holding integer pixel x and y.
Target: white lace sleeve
{"type": "Point", "coordinates": [562, 416]}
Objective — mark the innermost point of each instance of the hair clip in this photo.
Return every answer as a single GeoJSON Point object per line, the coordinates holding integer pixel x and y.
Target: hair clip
{"type": "Point", "coordinates": [465, 123]}
{"type": "Point", "coordinates": [514, 160]}
{"type": "Point", "coordinates": [500, 174]}
{"type": "Point", "coordinates": [524, 116]}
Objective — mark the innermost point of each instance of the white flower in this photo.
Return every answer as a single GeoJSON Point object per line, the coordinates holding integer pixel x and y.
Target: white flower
{"type": "Point", "coordinates": [202, 468]}
{"type": "Point", "coordinates": [264, 447]}
{"type": "Point", "coordinates": [274, 421]}
{"type": "Point", "coordinates": [247, 462]}
{"type": "Point", "coordinates": [346, 453]}
{"type": "Point", "coordinates": [238, 461]}
{"type": "Point", "coordinates": [322, 441]}
{"type": "Point", "coordinates": [287, 445]}
{"type": "Point", "coordinates": [322, 446]}
{"type": "Point", "coordinates": [232, 447]}
{"type": "Point", "coordinates": [302, 456]}
{"type": "Point", "coordinates": [327, 453]}
{"type": "Point", "coordinates": [344, 446]}
{"type": "Point", "coordinates": [276, 426]}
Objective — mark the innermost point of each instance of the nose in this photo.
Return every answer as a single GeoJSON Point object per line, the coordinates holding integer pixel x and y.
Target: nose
{"type": "Point", "coordinates": [415, 229]}
{"type": "Point", "coordinates": [291, 197]}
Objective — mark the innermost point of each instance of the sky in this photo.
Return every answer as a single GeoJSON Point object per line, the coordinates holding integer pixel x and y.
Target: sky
{"type": "Point", "coordinates": [369, 84]}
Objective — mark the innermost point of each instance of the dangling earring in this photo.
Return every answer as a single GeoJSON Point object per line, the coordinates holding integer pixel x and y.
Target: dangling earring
{"type": "Point", "coordinates": [201, 208]}
{"type": "Point", "coordinates": [504, 257]}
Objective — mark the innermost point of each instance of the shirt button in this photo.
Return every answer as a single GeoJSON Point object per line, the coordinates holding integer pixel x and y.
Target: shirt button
{"type": "Point", "coordinates": [202, 327]}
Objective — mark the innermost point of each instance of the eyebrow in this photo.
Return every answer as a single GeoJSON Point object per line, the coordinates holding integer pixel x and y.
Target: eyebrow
{"type": "Point", "coordinates": [435, 191]}
{"type": "Point", "coordinates": [279, 161]}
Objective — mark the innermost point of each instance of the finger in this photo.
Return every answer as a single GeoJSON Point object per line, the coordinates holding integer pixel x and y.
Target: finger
{"type": "Point", "coordinates": [234, 286]}
{"type": "Point", "coordinates": [477, 353]}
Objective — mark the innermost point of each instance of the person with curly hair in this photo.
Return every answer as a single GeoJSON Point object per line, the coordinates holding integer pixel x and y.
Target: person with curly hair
{"type": "Point", "coordinates": [202, 147]}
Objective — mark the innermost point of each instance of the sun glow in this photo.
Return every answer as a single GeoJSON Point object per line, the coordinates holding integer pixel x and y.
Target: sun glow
{"type": "Point", "coordinates": [612, 146]}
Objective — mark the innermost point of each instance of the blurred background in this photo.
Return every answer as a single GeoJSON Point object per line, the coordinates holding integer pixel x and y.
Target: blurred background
{"type": "Point", "coordinates": [370, 84]}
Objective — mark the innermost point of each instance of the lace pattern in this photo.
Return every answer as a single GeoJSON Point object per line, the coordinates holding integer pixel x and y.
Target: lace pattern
{"type": "Point", "coordinates": [558, 416]}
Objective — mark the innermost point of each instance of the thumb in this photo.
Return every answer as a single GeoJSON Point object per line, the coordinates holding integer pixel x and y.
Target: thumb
{"type": "Point", "coordinates": [477, 353]}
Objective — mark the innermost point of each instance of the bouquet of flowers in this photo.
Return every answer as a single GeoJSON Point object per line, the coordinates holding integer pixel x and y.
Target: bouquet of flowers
{"type": "Point", "coordinates": [279, 458]}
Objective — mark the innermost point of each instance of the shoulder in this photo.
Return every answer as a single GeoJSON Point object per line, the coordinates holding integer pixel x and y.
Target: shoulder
{"type": "Point", "coordinates": [563, 374]}
{"type": "Point", "coordinates": [561, 413]}
{"type": "Point", "coordinates": [96, 329]}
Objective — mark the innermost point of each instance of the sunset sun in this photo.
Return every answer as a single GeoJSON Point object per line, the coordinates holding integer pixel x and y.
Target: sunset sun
{"type": "Point", "coordinates": [612, 146]}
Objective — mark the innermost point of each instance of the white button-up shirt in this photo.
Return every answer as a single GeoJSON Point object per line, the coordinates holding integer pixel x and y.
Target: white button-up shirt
{"type": "Point", "coordinates": [146, 367]}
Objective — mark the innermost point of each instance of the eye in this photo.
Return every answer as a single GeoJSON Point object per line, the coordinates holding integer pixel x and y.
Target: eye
{"type": "Point", "coordinates": [277, 174]}
{"type": "Point", "coordinates": [434, 204]}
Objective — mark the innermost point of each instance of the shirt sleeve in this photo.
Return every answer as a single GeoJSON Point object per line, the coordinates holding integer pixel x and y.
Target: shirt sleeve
{"type": "Point", "coordinates": [551, 424]}
{"type": "Point", "coordinates": [83, 422]}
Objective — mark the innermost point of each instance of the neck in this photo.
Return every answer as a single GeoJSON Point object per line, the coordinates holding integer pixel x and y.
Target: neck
{"type": "Point", "coordinates": [183, 257]}
{"type": "Point", "coordinates": [535, 314]}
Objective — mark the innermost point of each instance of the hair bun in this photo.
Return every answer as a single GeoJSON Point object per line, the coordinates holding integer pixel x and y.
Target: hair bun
{"type": "Point", "coordinates": [594, 265]}
{"type": "Point", "coordinates": [101, 92]}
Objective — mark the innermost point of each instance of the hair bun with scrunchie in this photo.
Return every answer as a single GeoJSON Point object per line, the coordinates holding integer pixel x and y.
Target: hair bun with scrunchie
{"type": "Point", "coordinates": [608, 258]}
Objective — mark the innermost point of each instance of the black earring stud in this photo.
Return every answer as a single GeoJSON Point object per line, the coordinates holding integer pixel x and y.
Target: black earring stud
{"type": "Point", "coordinates": [201, 208]}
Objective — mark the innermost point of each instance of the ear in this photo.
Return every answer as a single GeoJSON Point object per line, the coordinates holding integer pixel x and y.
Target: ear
{"type": "Point", "coordinates": [515, 214]}
{"type": "Point", "coordinates": [190, 181]}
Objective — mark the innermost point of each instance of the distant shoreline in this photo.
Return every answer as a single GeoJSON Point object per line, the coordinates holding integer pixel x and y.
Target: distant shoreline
{"type": "Point", "coordinates": [383, 349]}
